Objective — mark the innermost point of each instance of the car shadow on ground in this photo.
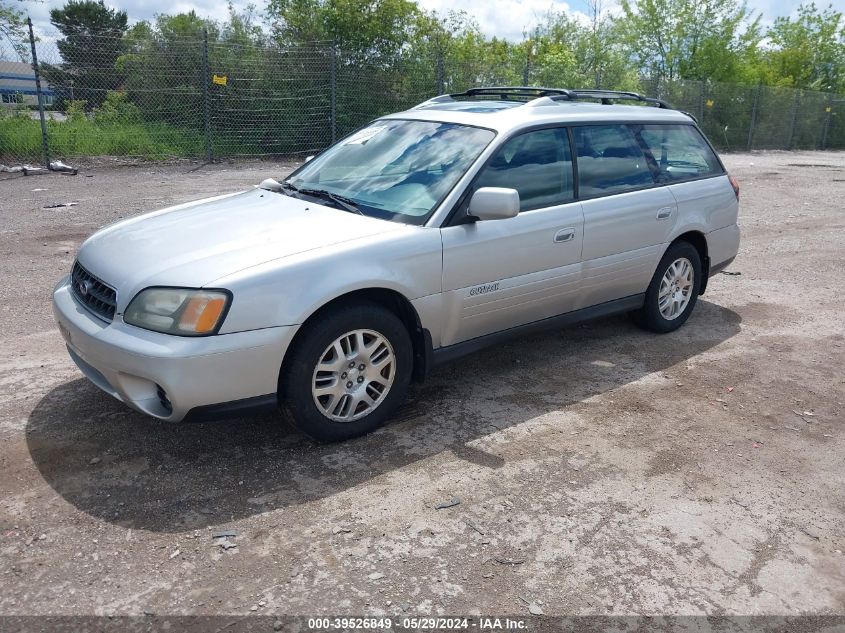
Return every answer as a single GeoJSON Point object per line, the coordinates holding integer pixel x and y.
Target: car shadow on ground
{"type": "Point", "coordinates": [128, 469]}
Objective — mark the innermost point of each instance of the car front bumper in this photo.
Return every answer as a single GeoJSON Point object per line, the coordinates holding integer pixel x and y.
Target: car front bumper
{"type": "Point", "coordinates": [167, 376]}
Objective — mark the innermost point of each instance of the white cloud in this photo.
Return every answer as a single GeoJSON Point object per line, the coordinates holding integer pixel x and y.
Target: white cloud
{"type": "Point", "coordinates": [504, 18]}
{"type": "Point", "coordinates": [138, 10]}
{"type": "Point", "coordinates": [771, 9]}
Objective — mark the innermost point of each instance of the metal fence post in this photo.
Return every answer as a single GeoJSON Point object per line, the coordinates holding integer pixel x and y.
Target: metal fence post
{"type": "Point", "coordinates": [753, 116]}
{"type": "Point", "coordinates": [334, 91]}
{"type": "Point", "coordinates": [440, 72]}
{"type": "Point", "coordinates": [206, 98]}
{"type": "Point", "coordinates": [701, 103]}
{"type": "Point", "coordinates": [792, 118]}
{"type": "Point", "coordinates": [828, 108]}
{"type": "Point", "coordinates": [45, 146]}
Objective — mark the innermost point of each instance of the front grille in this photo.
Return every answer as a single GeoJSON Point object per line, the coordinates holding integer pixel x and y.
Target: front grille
{"type": "Point", "coordinates": [93, 293]}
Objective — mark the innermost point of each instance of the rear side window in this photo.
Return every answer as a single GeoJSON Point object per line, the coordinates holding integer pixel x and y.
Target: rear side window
{"type": "Point", "coordinates": [681, 153]}
{"type": "Point", "coordinates": [609, 161]}
{"type": "Point", "coordinates": [537, 164]}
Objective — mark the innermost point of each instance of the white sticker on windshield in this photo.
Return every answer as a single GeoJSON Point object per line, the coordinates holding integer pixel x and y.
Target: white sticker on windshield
{"type": "Point", "coordinates": [362, 136]}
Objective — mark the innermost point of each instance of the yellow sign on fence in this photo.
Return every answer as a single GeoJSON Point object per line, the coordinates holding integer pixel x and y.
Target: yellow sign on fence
{"type": "Point", "coordinates": [710, 103]}
{"type": "Point", "coordinates": [220, 80]}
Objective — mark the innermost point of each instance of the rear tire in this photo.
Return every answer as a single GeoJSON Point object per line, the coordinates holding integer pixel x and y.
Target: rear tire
{"type": "Point", "coordinates": [673, 291]}
{"type": "Point", "coordinates": [348, 371]}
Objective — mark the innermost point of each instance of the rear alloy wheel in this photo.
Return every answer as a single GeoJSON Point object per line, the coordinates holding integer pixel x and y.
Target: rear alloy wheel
{"type": "Point", "coordinates": [347, 371]}
{"type": "Point", "coordinates": [673, 291]}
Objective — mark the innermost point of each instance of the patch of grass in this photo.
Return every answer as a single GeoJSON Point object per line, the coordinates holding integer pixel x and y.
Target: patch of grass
{"type": "Point", "coordinates": [20, 139]}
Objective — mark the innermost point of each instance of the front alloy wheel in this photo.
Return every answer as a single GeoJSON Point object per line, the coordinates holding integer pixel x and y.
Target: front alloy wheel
{"type": "Point", "coordinates": [354, 375]}
{"type": "Point", "coordinates": [346, 372]}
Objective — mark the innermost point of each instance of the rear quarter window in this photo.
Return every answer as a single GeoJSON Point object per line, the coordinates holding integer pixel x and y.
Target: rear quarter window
{"type": "Point", "coordinates": [679, 151]}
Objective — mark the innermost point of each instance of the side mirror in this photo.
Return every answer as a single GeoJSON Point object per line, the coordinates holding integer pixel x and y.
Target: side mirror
{"type": "Point", "coordinates": [309, 158]}
{"type": "Point", "coordinates": [494, 203]}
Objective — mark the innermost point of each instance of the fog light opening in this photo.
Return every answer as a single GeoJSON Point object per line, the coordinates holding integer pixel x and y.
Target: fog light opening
{"type": "Point", "coordinates": [163, 399]}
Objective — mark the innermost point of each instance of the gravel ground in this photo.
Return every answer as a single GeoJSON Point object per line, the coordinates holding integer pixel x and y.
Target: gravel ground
{"type": "Point", "coordinates": [600, 469]}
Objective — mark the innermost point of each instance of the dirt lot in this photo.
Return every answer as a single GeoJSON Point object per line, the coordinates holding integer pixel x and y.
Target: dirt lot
{"type": "Point", "coordinates": [600, 469]}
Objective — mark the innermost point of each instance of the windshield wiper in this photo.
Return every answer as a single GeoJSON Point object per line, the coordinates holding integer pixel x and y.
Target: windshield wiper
{"type": "Point", "coordinates": [288, 188]}
{"type": "Point", "coordinates": [342, 201]}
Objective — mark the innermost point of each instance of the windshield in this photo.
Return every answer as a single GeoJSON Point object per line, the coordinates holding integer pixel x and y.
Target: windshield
{"type": "Point", "coordinates": [394, 169]}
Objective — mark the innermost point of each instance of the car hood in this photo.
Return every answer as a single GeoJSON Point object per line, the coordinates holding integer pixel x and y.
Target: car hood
{"type": "Point", "coordinates": [193, 244]}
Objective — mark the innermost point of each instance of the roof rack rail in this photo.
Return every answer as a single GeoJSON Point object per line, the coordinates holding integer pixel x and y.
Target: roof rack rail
{"type": "Point", "coordinates": [529, 93]}
{"type": "Point", "coordinates": [504, 92]}
{"type": "Point", "coordinates": [606, 96]}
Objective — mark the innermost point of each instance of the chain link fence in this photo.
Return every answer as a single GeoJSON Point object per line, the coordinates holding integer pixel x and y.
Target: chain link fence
{"type": "Point", "coordinates": [737, 117]}
{"type": "Point", "coordinates": [162, 96]}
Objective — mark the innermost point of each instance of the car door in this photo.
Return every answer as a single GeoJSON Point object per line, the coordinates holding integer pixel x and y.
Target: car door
{"type": "Point", "coordinates": [628, 217]}
{"type": "Point", "coordinates": [692, 172]}
{"type": "Point", "coordinates": [499, 274]}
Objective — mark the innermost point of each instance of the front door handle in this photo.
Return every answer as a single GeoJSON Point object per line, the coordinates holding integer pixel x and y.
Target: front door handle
{"type": "Point", "coordinates": [664, 213]}
{"type": "Point", "coordinates": [565, 235]}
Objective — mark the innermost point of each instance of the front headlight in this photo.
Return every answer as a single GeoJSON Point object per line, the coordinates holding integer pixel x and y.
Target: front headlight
{"type": "Point", "coordinates": [182, 311]}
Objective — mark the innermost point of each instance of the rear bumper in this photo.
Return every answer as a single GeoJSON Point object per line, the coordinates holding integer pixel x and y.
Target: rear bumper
{"type": "Point", "coordinates": [167, 376]}
{"type": "Point", "coordinates": [714, 270]}
{"type": "Point", "coordinates": [722, 247]}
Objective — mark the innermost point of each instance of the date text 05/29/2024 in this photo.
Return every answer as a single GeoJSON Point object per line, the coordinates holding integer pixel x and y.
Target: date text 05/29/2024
{"type": "Point", "coordinates": [419, 624]}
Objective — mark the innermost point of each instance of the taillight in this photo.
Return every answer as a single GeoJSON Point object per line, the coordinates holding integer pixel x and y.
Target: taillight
{"type": "Point", "coordinates": [735, 185]}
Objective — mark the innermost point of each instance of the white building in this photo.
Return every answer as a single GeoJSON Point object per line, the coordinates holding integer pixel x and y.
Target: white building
{"type": "Point", "coordinates": [17, 85]}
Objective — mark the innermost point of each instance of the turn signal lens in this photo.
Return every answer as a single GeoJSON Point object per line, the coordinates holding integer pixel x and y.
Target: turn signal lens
{"type": "Point", "coordinates": [202, 314]}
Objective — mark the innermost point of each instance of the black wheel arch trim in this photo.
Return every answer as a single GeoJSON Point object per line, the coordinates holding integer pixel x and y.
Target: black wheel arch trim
{"type": "Point", "coordinates": [402, 307]}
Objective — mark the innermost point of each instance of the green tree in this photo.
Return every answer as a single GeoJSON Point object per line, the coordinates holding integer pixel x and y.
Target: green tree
{"type": "Point", "coordinates": [243, 28]}
{"type": "Point", "coordinates": [171, 29]}
{"type": "Point", "coordinates": [162, 64]}
{"type": "Point", "coordinates": [689, 39]}
{"type": "Point", "coordinates": [809, 50]}
{"type": "Point", "coordinates": [90, 47]}
{"type": "Point", "coordinates": [13, 29]}
{"type": "Point", "coordinates": [366, 28]}
{"type": "Point", "coordinates": [593, 51]}
{"type": "Point", "coordinates": [447, 51]}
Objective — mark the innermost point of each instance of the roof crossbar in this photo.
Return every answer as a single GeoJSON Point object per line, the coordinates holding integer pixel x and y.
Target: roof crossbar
{"type": "Point", "coordinates": [559, 94]}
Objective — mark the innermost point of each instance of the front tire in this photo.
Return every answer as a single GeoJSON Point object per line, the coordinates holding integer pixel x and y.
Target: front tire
{"type": "Point", "coordinates": [673, 291]}
{"type": "Point", "coordinates": [347, 372]}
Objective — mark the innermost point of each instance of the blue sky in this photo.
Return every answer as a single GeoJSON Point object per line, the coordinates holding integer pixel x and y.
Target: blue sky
{"type": "Point", "coordinates": [504, 18]}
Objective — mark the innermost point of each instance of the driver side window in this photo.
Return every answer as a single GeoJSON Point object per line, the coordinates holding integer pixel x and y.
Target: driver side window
{"type": "Point", "coordinates": [537, 164]}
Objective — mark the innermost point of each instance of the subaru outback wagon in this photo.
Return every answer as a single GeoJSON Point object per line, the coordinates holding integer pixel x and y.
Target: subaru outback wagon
{"type": "Point", "coordinates": [423, 236]}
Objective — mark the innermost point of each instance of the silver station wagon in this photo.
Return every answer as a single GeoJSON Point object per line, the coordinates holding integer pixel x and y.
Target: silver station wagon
{"type": "Point", "coordinates": [423, 236]}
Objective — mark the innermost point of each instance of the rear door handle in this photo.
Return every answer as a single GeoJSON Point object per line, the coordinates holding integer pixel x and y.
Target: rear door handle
{"type": "Point", "coordinates": [664, 213]}
{"type": "Point", "coordinates": [565, 235]}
